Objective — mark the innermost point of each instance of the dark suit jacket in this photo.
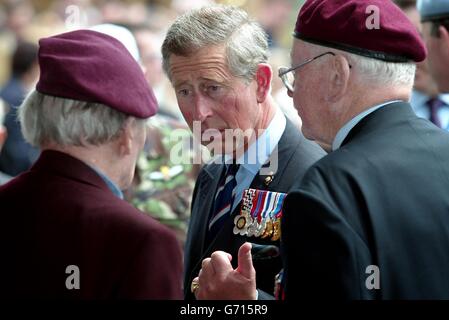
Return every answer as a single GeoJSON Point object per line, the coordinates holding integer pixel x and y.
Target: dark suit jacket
{"type": "Point", "coordinates": [295, 154]}
{"type": "Point", "coordinates": [381, 199]}
{"type": "Point", "coordinates": [61, 213]}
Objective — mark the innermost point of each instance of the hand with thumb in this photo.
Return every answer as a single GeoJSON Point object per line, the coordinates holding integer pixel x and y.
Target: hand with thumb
{"type": "Point", "coordinates": [219, 281]}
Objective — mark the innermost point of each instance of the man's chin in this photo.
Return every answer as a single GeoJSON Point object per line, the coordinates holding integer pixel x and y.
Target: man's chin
{"type": "Point", "coordinates": [306, 132]}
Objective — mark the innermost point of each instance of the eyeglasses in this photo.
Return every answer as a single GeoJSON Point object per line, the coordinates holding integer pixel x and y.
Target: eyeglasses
{"type": "Point", "coordinates": [288, 78]}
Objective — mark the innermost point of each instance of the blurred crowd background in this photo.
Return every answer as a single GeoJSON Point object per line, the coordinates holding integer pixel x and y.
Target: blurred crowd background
{"type": "Point", "coordinates": [161, 188]}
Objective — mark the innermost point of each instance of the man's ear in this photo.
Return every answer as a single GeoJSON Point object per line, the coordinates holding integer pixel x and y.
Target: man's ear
{"type": "Point", "coordinates": [3, 136]}
{"type": "Point", "coordinates": [264, 75]}
{"type": "Point", "coordinates": [125, 139]}
{"type": "Point", "coordinates": [339, 78]}
{"type": "Point", "coordinates": [444, 37]}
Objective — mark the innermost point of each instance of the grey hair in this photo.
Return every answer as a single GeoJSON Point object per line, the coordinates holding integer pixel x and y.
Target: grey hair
{"type": "Point", "coordinates": [47, 119]}
{"type": "Point", "coordinates": [376, 72]}
{"type": "Point", "coordinates": [245, 41]}
{"type": "Point", "coordinates": [384, 73]}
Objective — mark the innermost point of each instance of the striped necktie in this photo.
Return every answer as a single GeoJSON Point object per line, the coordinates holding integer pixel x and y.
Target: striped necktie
{"type": "Point", "coordinates": [223, 199]}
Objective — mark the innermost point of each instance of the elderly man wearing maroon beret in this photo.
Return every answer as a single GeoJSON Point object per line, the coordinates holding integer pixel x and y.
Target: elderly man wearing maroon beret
{"type": "Point", "coordinates": [67, 233]}
{"type": "Point", "coordinates": [370, 220]}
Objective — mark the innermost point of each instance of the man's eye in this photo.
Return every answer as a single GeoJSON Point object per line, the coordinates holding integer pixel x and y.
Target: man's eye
{"type": "Point", "coordinates": [183, 92]}
{"type": "Point", "coordinates": [214, 89]}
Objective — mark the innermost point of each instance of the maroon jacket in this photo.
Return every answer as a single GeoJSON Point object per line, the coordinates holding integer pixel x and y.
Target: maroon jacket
{"type": "Point", "coordinates": [61, 213]}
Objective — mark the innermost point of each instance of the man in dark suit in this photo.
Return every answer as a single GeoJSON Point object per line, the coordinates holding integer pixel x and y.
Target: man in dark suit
{"type": "Point", "coordinates": [426, 100]}
{"type": "Point", "coordinates": [435, 21]}
{"type": "Point", "coordinates": [66, 231]}
{"type": "Point", "coordinates": [370, 220]}
{"type": "Point", "coordinates": [222, 81]}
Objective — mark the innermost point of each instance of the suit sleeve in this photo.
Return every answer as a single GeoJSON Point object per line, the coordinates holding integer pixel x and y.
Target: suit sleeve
{"type": "Point", "coordinates": [325, 256]}
{"type": "Point", "coordinates": [155, 270]}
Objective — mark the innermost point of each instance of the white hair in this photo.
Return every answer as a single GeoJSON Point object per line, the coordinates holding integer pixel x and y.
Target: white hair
{"type": "Point", "coordinates": [384, 73]}
{"type": "Point", "coordinates": [47, 119]}
{"type": "Point", "coordinates": [375, 72]}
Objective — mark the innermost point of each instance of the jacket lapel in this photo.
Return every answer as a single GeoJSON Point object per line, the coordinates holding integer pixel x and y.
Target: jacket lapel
{"type": "Point", "coordinates": [207, 196]}
{"type": "Point", "coordinates": [208, 184]}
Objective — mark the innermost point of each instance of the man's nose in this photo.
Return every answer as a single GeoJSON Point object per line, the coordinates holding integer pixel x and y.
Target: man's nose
{"type": "Point", "coordinates": [203, 108]}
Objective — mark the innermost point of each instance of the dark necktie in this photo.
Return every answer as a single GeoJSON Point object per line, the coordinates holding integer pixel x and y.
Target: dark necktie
{"type": "Point", "coordinates": [224, 199]}
{"type": "Point", "coordinates": [434, 105]}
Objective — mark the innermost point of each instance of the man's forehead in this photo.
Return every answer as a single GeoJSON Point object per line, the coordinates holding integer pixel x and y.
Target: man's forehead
{"type": "Point", "coordinates": [207, 62]}
{"type": "Point", "coordinates": [201, 57]}
{"type": "Point", "coordinates": [196, 61]}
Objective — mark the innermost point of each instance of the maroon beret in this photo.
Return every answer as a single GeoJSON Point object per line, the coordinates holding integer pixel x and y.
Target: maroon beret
{"type": "Point", "coordinates": [348, 25]}
{"type": "Point", "coordinates": [91, 66]}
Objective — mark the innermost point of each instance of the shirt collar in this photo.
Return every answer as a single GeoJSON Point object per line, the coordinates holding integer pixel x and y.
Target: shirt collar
{"type": "Point", "coordinates": [421, 99]}
{"type": "Point", "coordinates": [418, 98]}
{"type": "Point", "coordinates": [444, 98]}
{"type": "Point", "coordinates": [111, 185]}
{"type": "Point", "coordinates": [259, 151]}
{"type": "Point", "coordinates": [344, 131]}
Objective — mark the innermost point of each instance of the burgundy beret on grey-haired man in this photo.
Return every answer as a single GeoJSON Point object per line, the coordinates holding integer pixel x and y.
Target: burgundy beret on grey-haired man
{"type": "Point", "coordinates": [67, 232]}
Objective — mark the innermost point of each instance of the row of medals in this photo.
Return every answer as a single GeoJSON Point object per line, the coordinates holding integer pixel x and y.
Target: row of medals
{"type": "Point", "coordinates": [267, 228]}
